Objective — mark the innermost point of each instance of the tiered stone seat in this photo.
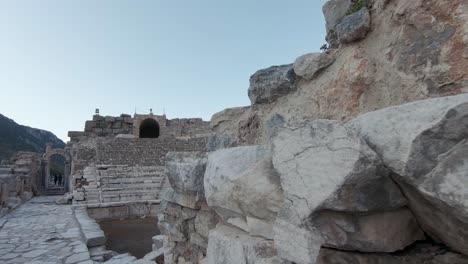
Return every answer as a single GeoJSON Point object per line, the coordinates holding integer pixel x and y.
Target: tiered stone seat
{"type": "Point", "coordinates": [124, 183]}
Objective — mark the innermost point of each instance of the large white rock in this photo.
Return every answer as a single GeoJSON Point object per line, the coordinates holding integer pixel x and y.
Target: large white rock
{"type": "Point", "coordinates": [424, 143]}
{"type": "Point", "coordinates": [229, 245]}
{"type": "Point", "coordinates": [325, 166]}
{"type": "Point", "coordinates": [241, 182]}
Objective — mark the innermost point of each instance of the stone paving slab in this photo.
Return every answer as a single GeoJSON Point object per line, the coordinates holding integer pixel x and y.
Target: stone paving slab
{"type": "Point", "coordinates": [40, 231]}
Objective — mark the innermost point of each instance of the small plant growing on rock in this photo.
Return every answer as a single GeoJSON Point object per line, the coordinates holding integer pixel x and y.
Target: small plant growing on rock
{"type": "Point", "coordinates": [356, 6]}
{"type": "Point", "coordinates": [324, 47]}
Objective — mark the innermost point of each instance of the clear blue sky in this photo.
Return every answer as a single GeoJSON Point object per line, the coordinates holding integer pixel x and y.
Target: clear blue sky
{"type": "Point", "coordinates": [60, 59]}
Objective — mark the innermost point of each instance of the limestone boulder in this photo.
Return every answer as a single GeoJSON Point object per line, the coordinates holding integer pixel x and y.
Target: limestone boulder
{"type": "Point", "coordinates": [185, 171]}
{"type": "Point", "coordinates": [309, 65]}
{"type": "Point", "coordinates": [241, 182]}
{"type": "Point", "coordinates": [354, 27]}
{"type": "Point", "coordinates": [269, 84]}
{"type": "Point", "coordinates": [325, 166]}
{"type": "Point", "coordinates": [424, 143]}
{"type": "Point", "coordinates": [334, 11]}
{"type": "Point", "coordinates": [229, 245]}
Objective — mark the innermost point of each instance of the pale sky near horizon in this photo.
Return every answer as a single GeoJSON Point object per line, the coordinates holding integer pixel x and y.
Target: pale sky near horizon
{"type": "Point", "coordinates": [61, 59]}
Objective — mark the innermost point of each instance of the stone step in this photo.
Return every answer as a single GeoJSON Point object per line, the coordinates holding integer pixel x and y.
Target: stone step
{"type": "Point", "coordinates": [128, 197]}
{"type": "Point", "coordinates": [148, 185]}
{"type": "Point", "coordinates": [131, 192]}
{"type": "Point", "coordinates": [119, 176]}
{"type": "Point", "coordinates": [131, 180]}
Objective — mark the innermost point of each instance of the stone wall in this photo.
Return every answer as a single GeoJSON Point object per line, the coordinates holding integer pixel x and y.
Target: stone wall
{"type": "Point", "coordinates": [110, 126]}
{"type": "Point", "coordinates": [19, 180]}
{"type": "Point", "coordinates": [143, 151]}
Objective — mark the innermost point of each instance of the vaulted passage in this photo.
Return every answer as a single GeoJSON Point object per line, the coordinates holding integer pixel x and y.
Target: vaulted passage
{"type": "Point", "coordinates": [149, 128]}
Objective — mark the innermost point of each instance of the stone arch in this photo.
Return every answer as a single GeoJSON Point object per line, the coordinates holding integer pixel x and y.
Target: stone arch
{"type": "Point", "coordinates": [149, 128]}
{"type": "Point", "coordinates": [46, 170]}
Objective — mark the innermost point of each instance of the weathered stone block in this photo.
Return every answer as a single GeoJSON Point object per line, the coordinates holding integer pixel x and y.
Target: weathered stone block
{"type": "Point", "coordinates": [89, 125]}
{"type": "Point", "coordinates": [241, 181]}
{"type": "Point", "coordinates": [185, 171]}
{"type": "Point", "coordinates": [324, 165]}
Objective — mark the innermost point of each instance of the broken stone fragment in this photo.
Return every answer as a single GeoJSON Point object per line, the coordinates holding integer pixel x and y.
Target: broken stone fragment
{"type": "Point", "coordinates": [424, 143]}
{"type": "Point", "coordinates": [324, 166]}
{"type": "Point", "coordinates": [309, 65]}
{"type": "Point", "coordinates": [354, 26]}
{"type": "Point", "coordinates": [269, 84]}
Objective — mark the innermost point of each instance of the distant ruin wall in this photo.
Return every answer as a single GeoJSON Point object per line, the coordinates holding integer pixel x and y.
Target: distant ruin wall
{"type": "Point", "coordinates": [142, 151]}
{"type": "Point", "coordinates": [110, 126]}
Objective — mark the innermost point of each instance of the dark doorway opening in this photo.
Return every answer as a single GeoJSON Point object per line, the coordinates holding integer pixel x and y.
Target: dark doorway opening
{"type": "Point", "coordinates": [149, 128]}
{"type": "Point", "coordinates": [56, 171]}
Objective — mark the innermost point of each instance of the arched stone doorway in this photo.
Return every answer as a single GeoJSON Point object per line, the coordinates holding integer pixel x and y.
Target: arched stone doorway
{"type": "Point", "coordinates": [55, 181]}
{"type": "Point", "coordinates": [149, 128]}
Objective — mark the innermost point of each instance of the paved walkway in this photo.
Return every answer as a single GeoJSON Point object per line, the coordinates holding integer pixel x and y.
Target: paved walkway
{"type": "Point", "coordinates": [40, 231]}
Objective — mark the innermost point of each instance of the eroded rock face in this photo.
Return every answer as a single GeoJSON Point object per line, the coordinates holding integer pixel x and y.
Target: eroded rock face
{"type": "Point", "coordinates": [269, 84]}
{"type": "Point", "coordinates": [354, 26]}
{"type": "Point", "coordinates": [324, 167]}
{"type": "Point", "coordinates": [309, 65]}
{"type": "Point", "coordinates": [424, 143]}
{"type": "Point", "coordinates": [185, 171]}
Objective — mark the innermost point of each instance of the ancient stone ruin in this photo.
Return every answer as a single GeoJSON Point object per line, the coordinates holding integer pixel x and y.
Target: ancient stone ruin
{"type": "Point", "coordinates": [357, 154]}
